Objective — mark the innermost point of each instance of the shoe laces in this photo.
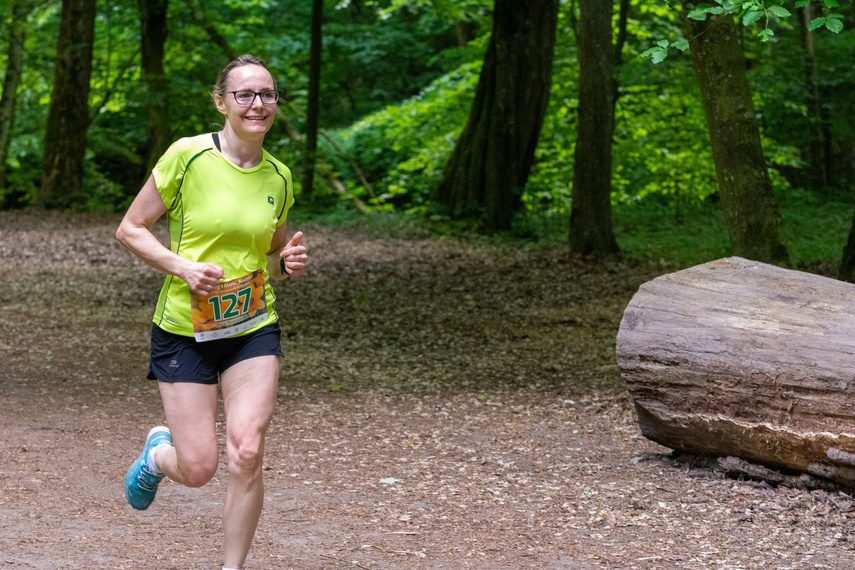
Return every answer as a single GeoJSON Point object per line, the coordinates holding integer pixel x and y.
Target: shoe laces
{"type": "Point", "coordinates": [146, 480]}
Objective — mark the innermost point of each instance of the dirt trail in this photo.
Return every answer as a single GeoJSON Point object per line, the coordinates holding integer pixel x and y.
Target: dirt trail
{"type": "Point", "coordinates": [442, 405]}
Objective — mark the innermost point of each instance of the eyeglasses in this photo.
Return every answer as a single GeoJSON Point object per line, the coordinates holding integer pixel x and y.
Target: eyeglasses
{"type": "Point", "coordinates": [246, 98]}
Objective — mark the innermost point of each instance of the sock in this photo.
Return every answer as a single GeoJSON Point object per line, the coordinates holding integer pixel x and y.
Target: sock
{"type": "Point", "coordinates": [152, 466]}
{"type": "Point", "coordinates": [224, 568]}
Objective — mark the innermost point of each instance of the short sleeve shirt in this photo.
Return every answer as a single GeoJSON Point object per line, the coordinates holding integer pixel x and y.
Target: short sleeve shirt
{"type": "Point", "coordinates": [218, 213]}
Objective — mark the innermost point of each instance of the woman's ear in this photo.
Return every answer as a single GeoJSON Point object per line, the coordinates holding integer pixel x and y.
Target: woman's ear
{"type": "Point", "coordinates": [220, 104]}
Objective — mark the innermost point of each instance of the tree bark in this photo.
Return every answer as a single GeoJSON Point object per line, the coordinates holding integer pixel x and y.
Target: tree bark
{"type": "Point", "coordinates": [153, 26]}
{"type": "Point", "coordinates": [744, 359]}
{"type": "Point", "coordinates": [465, 32]}
{"type": "Point", "coordinates": [847, 263]}
{"type": "Point", "coordinates": [591, 230]}
{"type": "Point", "coordinates": [819, 141]}
{"type": "Point", "coordinates": [313, 99]}
{"type": "Point", "coordinates": [68, 115]}
{"type": "Point", "coordinates": [750, 211]}
{"type": "Point", "coordinates": [495, 152]}
{"type": "Point", "coordinates": [282, 121]}
{"type": "Point", "coordinates": [620, 41]}
{"type": "Point", "coordinates": [14, 70]}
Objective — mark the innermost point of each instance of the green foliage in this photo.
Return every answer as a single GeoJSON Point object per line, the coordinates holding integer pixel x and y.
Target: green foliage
{"type": "Point", "coordinates": [663, 26]}
{"type": "Point", "coordinates": [404, 147]}
{"type": "Point", "coordinates": [661, 143]}
{"type": "Point", "coordinates": [449, 10]}
{"type": "Point", "coordinates": [26, 147]}
{"type": "Point", "coordinates": [550, 182]}
{"type": "Point", "coordinates": [654, 228]}
{"type": "Point", "coordinates": [816, 227]}
{"type": "Point", "coordinates": [662, 146]}
{"type": "Point", "coordinates": [371, 59]}
{"type": "Point", "coordinates": [751, 12]}
{"type": "Point", "coordinates": [102, 194]}
{"type": "Point", "coordinates": [397, 90]}
{"type": "Point", "coordinates": [367, 67]}
{"type": "Point", "coordinates": [830, 20]}
{"type": "Point", "coordinates": [20, 190]}
{"type": "Point", "coordinates": [836, 79]}
{"type": "Point", "coordinates": [660, 51]}
{"type": "Point", "coordinates": [114, 169]}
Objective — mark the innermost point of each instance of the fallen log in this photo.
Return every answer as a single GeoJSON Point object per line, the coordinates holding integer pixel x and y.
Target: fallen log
{"type": "Point", "coordinates": [736, 358]}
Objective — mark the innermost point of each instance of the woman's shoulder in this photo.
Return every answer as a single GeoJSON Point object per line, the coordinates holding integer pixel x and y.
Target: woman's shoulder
{"type": "Point", "coordinates": [178, 156]}
{"type": "Point", "coordinates": [193, 144]}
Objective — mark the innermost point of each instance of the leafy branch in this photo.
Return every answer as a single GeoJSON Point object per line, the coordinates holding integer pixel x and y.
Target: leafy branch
{"type": "Point", "coordinates": [750, 12]}
{"type": "Point", "coordinates": [659, 53]}
{"type": "Point", "coordinates": [829, 20]}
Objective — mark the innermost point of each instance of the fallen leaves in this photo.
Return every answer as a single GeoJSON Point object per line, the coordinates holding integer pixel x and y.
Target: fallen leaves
{"type": "Point", "coordinates": [442, 404]}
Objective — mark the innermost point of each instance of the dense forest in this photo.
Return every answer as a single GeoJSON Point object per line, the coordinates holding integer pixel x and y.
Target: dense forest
{"type": "Point", "coordinates": [602, 123]}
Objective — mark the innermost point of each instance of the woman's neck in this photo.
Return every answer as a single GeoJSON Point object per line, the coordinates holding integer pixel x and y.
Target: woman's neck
{"type": "Point", "coordinates": [243, 153]}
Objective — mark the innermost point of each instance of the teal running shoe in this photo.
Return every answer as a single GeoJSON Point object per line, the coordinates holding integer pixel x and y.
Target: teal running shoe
{"type": "Point", "coordinates": [140, 483]}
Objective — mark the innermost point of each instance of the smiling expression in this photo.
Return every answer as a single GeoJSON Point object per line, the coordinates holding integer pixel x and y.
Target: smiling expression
{"type": "Point", "coordinates": [250, 120]}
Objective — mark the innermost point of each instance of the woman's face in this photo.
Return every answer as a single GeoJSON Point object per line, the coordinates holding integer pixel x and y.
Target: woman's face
{"type": "Point", "coordinates": [252, 120]}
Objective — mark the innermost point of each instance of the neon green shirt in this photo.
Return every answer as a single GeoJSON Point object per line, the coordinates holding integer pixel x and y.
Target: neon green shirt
{"type": "Point", "coordinates": [218, 213]}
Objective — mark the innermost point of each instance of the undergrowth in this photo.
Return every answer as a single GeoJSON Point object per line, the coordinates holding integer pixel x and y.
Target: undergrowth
{"type": "Point", "coordinates": [653, 228]}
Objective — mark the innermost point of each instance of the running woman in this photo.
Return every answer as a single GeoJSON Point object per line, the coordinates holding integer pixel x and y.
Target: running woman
{"type": "Point", "coordinates": [226, 200]}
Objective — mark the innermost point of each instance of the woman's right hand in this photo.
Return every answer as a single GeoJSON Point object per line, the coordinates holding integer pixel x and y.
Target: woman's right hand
{"type": "Point", "coordinates": [202, 278]}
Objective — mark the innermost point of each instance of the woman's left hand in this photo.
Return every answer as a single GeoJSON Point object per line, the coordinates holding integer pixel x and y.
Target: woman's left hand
{"type": "Point", "coordinates": [294, 256]}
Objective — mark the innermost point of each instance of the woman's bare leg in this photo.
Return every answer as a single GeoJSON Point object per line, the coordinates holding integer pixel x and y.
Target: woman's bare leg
{"type": "Point", "coordinates": [191, 412]}
{"type": "Point", "coordinates": [249, 394]}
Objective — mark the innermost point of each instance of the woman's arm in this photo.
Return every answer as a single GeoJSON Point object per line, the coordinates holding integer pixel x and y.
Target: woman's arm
{"type": "Point", "coordinates": [134, 233]}
{"type": "Point", "coordinates": [286, 258]}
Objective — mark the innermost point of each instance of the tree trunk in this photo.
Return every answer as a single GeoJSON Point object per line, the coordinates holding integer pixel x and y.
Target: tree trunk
{"type": "Point", "coordinates": [282, 122]}
{"type": "Point", "coordinates": [623, 21]}
{"type": "Point", "coordinates": [495, 152]}
{"type": "Point", "coordinates": [312, 104]}
{"type": "Point", "coordinates": [847, 263]}
{"type": "Point", "coordinates": [819, 137]}
{"type": "Point", "coordinates": [739, 358]}
{"type": "Point", "coordinates": [153, 25]}
{"type": "Point", "coordinates": [14, 70]}
{"type": "Point", "coordinates": [751, 214]}
{"type": "Point", "coordinates": [68, 116]}
{"type": "Point", "coordinates": [356, 10]}
{"type": "Point", "coordinates": [465, 32]}
{"type": "Point", "coordinates": [591, 230]}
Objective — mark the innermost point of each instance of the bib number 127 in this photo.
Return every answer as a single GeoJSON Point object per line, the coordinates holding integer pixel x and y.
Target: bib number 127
{"type": "Point", "coordinates": [237, 306]}
{"type": "Point", "coordinates": [231, 305]}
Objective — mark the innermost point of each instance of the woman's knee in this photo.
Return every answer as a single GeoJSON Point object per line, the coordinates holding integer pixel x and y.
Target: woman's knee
{"type": "Point", "coordinates": [245, 454]}
{"type": "Point", "coordinates": [197, 471]}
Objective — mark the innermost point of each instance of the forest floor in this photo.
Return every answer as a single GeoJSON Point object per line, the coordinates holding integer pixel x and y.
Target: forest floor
{"type": "Point", "coordinates": [442, 405]}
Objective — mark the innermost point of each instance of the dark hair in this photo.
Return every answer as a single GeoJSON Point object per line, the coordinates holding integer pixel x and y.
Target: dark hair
{"type": "Point", "coordinates": [219, 87]}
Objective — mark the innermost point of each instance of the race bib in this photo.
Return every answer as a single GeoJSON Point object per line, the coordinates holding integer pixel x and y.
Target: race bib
{"type": "Point", "coordinates": [235, 307]}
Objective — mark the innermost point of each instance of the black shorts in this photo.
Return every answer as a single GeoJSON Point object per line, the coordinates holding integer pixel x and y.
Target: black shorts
{"type": "Point", "coordinates": [178, 358]}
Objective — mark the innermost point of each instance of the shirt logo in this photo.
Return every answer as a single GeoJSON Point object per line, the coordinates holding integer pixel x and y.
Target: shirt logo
{"type": "Point", "coordinates": [270, 200]}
